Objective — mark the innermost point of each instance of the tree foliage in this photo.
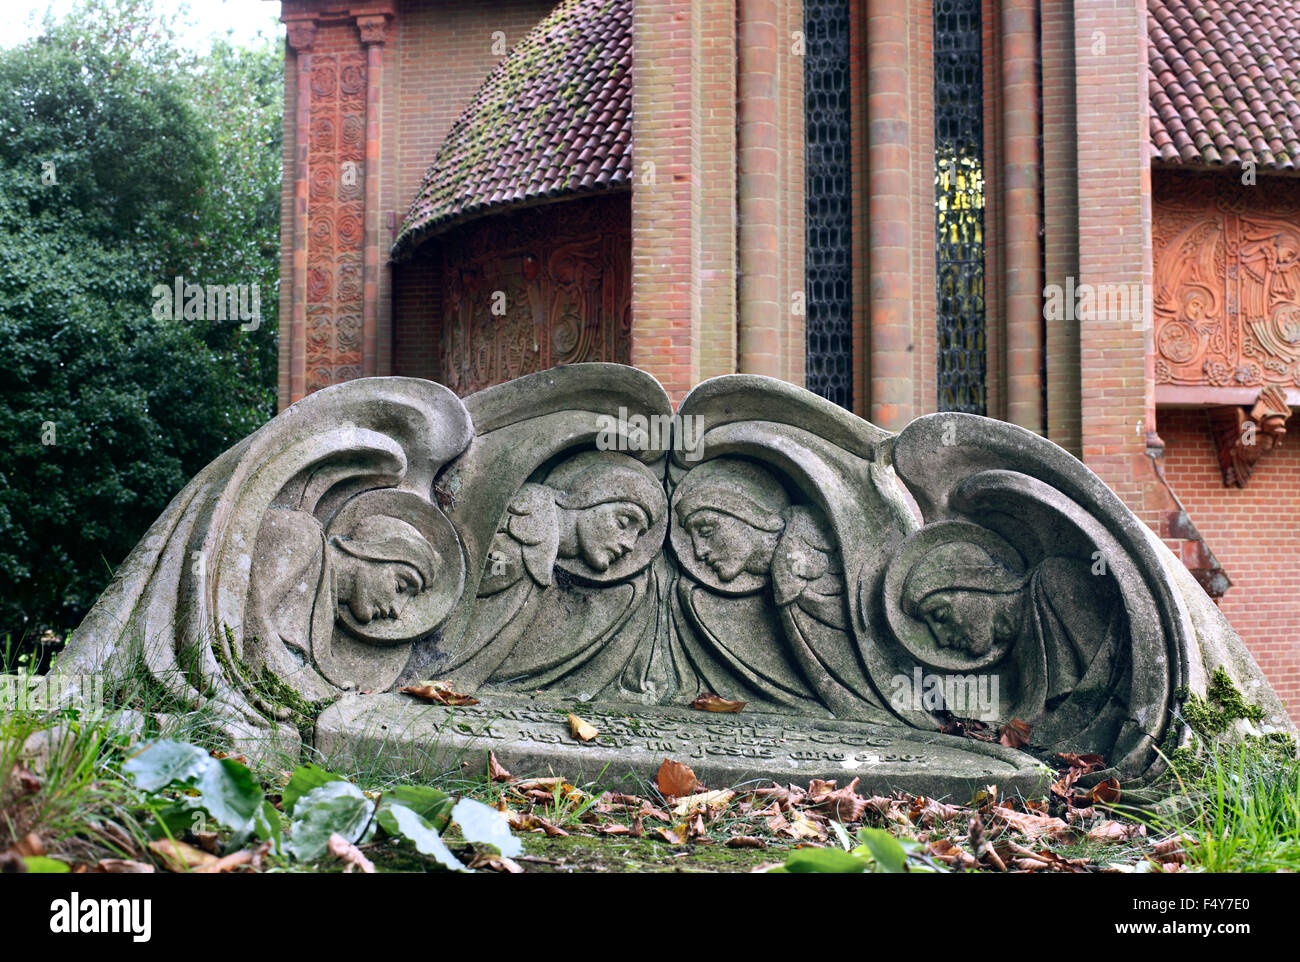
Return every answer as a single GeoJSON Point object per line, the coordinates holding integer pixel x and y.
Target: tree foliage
{"type": "Point", "coordinates": [124, 163]}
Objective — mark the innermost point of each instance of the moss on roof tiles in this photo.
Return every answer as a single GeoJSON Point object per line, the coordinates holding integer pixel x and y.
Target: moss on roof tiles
{"type": "Point", "coordinates": [1215, 78]}
{"type": "Point", "coordinates": [570, 69]}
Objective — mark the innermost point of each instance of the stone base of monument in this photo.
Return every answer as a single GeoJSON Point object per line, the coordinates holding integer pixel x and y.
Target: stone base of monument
{"type": "Point", "coordinates": [396, 734]}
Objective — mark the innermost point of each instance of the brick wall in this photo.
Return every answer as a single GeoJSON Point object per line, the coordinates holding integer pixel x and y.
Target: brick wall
{"type": "Point", "coordinates": [1060, 218]}
{"type": "Point", "coordinates": [1111, 104]}
{"type": "Point", "coordinates": [1255, 533]}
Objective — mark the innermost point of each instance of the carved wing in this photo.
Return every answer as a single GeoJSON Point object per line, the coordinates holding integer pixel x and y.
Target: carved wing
{"type": "Point", "coordinates": [1032, 534]}
{"type": "Point", "coordinates": [180, 600]}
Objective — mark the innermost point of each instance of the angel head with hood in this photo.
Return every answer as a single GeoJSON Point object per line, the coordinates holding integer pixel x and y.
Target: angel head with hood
{"type": "Point", "coordinates": [588, 518]}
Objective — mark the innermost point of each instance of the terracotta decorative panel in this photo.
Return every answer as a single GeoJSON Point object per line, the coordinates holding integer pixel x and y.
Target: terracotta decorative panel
{"type": "Point", "coordinates": [527, 291]}
{"type": "Point", "coordinates": [335, 210]}
{"type": "Point", "coordinates": [1227, 283]}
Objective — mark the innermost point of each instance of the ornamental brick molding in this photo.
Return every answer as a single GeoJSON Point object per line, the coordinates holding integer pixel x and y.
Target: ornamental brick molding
{"type": "Point", "coordinates": [302, 34]}
{"type": "Point", "coordinates": [373, 29]}
{"type": "Point", "coordinates": [1243, 438]}
{"type": "Point", "coordinates": [335, 212]}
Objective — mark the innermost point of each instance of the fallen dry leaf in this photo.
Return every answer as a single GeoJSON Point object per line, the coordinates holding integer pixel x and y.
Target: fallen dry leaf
{"type": "Point", "coordinates": [28, 782]}
{"type": "Point", "coordinates": [984, 851]}
{"type": "Point", "coordinates": [711, 702]}
{"type": "Point", "coordinates": [926, 812]}
{"type": "Point", "coordinates": [613, 828]}
{"type": "Point", "coordinates": [1112, 831]}
{"type": "Point", "coordinates": [799, 827]}
{"type": "Point", "coordinates": [843, 804]}
{"type": "Point", "coordinates": [495, 772]}
{"type": "Point", "coordinates": [1107, 792]}
{"type": "Point", "coordinates": [497, 863]}
{"type": "Point", "coordinates": [1014, 734]}
{"type": "Point", "coordinates": [1169, 850]}
{"type": "Point", "coordinates": [950, 853]}
{"type": "Point", "coordinates": [1085, 763]}
{"type": "Point", "coordinates": [581, 729]}
{"type": "Point", "coordinates": [668, 835]}
{"type": "Point", "coordinates": [179, 857]}
{"type": "Point", "coordinates": [1030, 824]}
{"type": "Point", "coordinates": [251, 857]}
{"type": "Point", "coordinates": [438, 692]}
{"type": "Point", "coordinates": [349, 854]}
{"type": "Point", "coordinates": [702, 802]}
{"type": "Point", "coordinates": [30, 846]}
{"type": "Point", "coordinates": [675, 779]}
{"type": "Point", "coordinates": [123, 866]}
{"type": "Point", "coordinates": [696, 829]}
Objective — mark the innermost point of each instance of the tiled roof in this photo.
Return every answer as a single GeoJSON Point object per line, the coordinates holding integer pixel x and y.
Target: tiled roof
{"type": "Point", "coordinates": [553, 118]}
{"type": "Point", "coordinates": [1225, 82]}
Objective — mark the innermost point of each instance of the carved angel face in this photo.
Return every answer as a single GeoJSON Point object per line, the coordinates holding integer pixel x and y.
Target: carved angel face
{"type": "Point", "coordinates": [607, 532]}
{"type": "Point", "coordinates": [380, 589]}
{"type": "Point", "coordinates": [728, 545]}
{"type": "Point", "coordinates": [971, 621]}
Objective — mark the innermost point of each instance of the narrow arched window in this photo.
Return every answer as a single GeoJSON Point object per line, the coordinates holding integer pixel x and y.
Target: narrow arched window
{"type": "Point", "coordinates": [828, 201]}
{"type": "Point", "coordinates": [959, 205]}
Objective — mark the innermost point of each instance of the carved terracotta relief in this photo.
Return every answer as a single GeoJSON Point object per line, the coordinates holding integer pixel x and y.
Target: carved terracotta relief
{"type": "Point", "coordinates": [530, 290]}
{"type": "Point", "coordinates": [1227, 283]}
{"type": "Point", "coordinates": [335, 217]}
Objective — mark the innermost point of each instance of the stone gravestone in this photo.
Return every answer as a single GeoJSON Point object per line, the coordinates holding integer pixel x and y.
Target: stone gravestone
{"type": "Point", "coordinates": [567, 543]}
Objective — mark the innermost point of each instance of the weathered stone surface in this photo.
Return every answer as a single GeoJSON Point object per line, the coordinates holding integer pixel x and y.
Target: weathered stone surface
{"type": "Point", "coordinates": [397, 734]}
{"type": "Point", "coordinates": [568, 536]}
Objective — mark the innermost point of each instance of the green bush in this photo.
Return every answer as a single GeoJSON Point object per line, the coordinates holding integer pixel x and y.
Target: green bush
{"type": "Point", "coordinates": [123, 164]}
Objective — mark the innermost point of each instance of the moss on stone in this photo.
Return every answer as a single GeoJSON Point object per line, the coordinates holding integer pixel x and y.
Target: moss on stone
{"type": "Point", "coordinates": [271, 691]}
{"type": "Point", "coordinates": [1222, 705]}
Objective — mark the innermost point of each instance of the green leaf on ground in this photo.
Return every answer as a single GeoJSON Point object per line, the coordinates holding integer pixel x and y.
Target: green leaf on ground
{"type": "Point", "coordinates": [336, 806]}
{"type": "Point", "coordinates": [484, 825]}
{"type": "Point", "coordinates": [399, 820]}
{"type": "Point", "coordinates": [303, 780]}
{"type": "Point", "coordinates": [884, 848]}
{"type": "Point", "coordinates": [836, 860]}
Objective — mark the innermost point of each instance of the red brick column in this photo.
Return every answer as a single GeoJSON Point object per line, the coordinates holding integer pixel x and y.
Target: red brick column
{"type": "Point", "coordinates": [1061, 217]}
{"type": "Point", "coordinates": [301, 36]}
{"type": "Point", "coordinates": [1021, 220]}
{"type": "Point", "coordinates": [665, 198]}
{"type": "Point", "coordinates": [374, 31]}
{"type": "Point", "coordinates": [758, 178]}
{"type": "Point", "coordinates": [1111, 102]}
{"type": "Point", "coordinates": [889, 214]}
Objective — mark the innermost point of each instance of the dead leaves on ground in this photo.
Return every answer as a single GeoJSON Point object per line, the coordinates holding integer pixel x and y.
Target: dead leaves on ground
{"type": "Point", "coordinates": [438, 693]}
{"type": "Point", "coordinates": [988, 833]}
{"type": "Point", "coordinates": [582, 730]}
{"type": "Point", "coordinates": [711, 702]}
{"type": "Point", "coordinates": [675, 779]}
{"type": "Point", "coordinates": [349, 855]}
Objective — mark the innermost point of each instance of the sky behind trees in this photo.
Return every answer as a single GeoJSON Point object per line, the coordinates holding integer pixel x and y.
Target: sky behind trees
{"type": "Point", "coordinates": [206, 20]}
